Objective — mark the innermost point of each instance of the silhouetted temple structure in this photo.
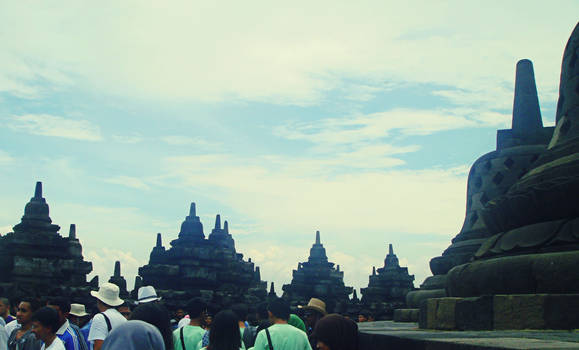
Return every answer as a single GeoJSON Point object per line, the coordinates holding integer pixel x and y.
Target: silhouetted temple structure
{"type": "Point", "coordinates": [390, 284]}
{"type": "Point", "coordinates": [36, 260]}
{"type": "Point", "coordinates": [317, 278]}
{"type": "Point", "coordinates": [490, 177]}
{"type": "Point", "coordinates": [206, 267]}
{"type": "Point", "coordinates": [120, 281]}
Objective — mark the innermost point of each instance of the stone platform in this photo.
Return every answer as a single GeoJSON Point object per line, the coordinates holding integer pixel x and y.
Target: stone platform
{"type": "Point", "coordinates": [393, 335]}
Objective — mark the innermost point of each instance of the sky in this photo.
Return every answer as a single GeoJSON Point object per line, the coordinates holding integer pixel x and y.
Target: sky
{"type": "Point", "coordinates": [358, 119]}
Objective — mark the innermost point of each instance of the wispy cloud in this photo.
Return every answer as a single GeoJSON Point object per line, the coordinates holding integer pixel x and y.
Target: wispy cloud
{"type": "Point", "coordinates": [50, 125]}
{"type": "Point", "coordinates": [129, 139]}
{"type": "Point", "coordinates": [128, 181]}
{"type": "Point", "coordinates": [179, 140]}
{"type": "Point", "coordinates": [5, 158]}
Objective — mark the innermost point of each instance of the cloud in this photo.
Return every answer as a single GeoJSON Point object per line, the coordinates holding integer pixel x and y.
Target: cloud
{"type": "Point", "coordinates": [278, 54]}
{"type": "Point", "coordinates": [129, 139]}
{"type": "Point", "coordinates": [49, 125]}
{"type": "Point", "coordinates": [178, 140]}
{"type": "Point", "coordinates": [5, 158]}
{"type": "Point", "coordinates": [128, 181]}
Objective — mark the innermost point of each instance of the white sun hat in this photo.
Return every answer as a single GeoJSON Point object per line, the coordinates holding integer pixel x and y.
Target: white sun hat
{"type": "Point", "coordinates": [147, 294]}
{"type": "Point", "coordinates": [78, 310]}
{"type": "Point", "coordinates": [109, 294]}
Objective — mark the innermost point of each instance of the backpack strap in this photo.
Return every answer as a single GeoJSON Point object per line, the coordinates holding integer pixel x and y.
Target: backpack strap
{"type": "Point", "coordinates": [268, 339]}
{"type": "Point", "coordinates": [108, 321]}
{"type": "Point", "coordinates": [182, 339]}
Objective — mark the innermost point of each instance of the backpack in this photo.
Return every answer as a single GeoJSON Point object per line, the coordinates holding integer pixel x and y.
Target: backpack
{"type": "Point", "coordinates": [249, 335]}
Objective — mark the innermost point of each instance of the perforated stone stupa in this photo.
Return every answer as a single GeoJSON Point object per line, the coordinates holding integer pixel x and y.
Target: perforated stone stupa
{"type": "Point", "coordinates": [206, 267]}
{"type": "Point", "coordinates": [317, 278]}
{"type": "Point", "coordinates": [36, 260]}
{"type": "Point", "coordinates": [120, 281]}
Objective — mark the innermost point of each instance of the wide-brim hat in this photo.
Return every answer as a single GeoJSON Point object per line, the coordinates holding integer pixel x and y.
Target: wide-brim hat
{"type": "Point", "coordinates": [78, 310]}
{"type": "Point", "coordinates": [147, 294]}
{"type": "Point", "coordinates": [316, 305]}
{"type": "Point", "coordinates": [108, 293]}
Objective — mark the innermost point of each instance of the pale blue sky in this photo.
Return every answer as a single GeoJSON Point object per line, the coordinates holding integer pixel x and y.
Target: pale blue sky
{"type": "Point", "coordinates": [360, 120]}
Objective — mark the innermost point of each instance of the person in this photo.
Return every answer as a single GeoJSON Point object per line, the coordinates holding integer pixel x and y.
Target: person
{"type": "Point", "coordinates": [297, 322]}
{"type": "Point", "coordinates": [79, 317]}
{"type": "Point", "coordinates": [364, 316]}
{"type": "Point", "coordinates": [45, 323]}
{"type": "Point", "coordinates": [314, 311]}
{"type": "Point", "coordinates": [189, 336]}
{"type": "Point", "coordinates": [5, 310]}
{"type": "Point", "coordinates": [280, 335]}
{"type": "Point", "coordinates": [134, 335]}
{"type": "Point", "coordinates": [158, 316]}
{"type": "Point", "coordinates": [262, 316]}
{"type": "Point", "coordinates": [147, 294]}
{"type": "Point", "coordinates": [125, 310]}
{"type": "Point", "coordinates": [3, 335]}
{"type": "Point", "coordinates": [335, 332]}
{"type": "Point", "coordinates": [108, 318]}
{"type": "Point", "coordinates": [22, 338]}
{"type": "Point", "coordinates": [248, 333]}
{"type": "Point", "coordinates": [225, 332]}
{"type": "Point", "coordinates": [71, 338]}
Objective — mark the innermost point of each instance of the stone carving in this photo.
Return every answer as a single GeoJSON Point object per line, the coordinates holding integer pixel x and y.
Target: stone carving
{"type": "Point", "coordinates": [120, 281]}
{"type": "Point", "coordinates": [317, 278]}
{"type": "Point", "coordinates": [36, 260]}
{"type": "Point", "coordinates": [196, 266]}
{"type": "Point", "coordinates": [534, 246]}
{"type": "Point", "coordinates": [490, 177]}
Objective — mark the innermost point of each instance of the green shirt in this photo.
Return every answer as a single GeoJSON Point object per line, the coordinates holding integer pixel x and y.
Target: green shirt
{"type": "Point", "coordinates": [191, 335]}
{"type": "Point", "coordinates": [297, 322]}
{"type": "Point", "coordinates": [283, 337]}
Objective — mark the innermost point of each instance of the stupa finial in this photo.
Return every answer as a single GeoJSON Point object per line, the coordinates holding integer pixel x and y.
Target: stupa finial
{"type": "Point", "coordinates": [373, 270]}
{"type": "Point", "coordinates": [272, 289]}
{"type": "Point", "coordinates": [159, 241]}
{"type": "Point", "coordinates": [226, 226]}
{"type": "Point", "coordinates": [72, 231]}
{"type": "Point", "coordinates": [193, 210]}
{"type": "Point", "coordinates": [390, 249]}
{"type": "Point", "coordinates": [526, 111]}
{"type": "Point", "coordinates": [117, 269]}
{"type": "Point", "coordinates": [218, 222]}
{"type": "Point", "coordinates": [318, 241]}
{"type": "Point", "coordinates": [38, 190]}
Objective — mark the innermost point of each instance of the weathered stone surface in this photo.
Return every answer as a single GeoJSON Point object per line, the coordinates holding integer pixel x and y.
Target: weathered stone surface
{"type": "Point", "coordinates": [317, 278]}
{"type": "Point", "coordinates": [519, 311]}
{"type": "Point", "coordinates": [474, 313]}
{"type": "Point", "coordinates": [406, 315]}
{"type": "Point", "coordinates": [209, 268]}
{"type": "Point", "coordinates": [36, 260]}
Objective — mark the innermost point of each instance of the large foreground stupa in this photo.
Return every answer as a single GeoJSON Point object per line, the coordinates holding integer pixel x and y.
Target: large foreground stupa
{"type": "Point", "coordinates": [195, 266]}
{"type": "Point", "coordinates": [35, 260]}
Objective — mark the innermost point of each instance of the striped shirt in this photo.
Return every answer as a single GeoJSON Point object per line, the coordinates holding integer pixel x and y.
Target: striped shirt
{"type": "Point", "coordinates": [68, 337]}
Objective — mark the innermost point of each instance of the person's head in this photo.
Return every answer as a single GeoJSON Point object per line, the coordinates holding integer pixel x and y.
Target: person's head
{"type": "Point", "coordinates": [134, 335]}
{"type": "Point", "coordinates": [335, 332]}
{"type": "Point", "coordinates": [262, 314]}
{"type": "Point", "coordinates": [26, 309]}
{"type": "Point", "coordinates": [107, 297]}
{"type": "Point", "coordinates": [278, 309]}
{"type": "Point", "coordinates": [224, 333]}
{"type": "Point", "coordinates": [45, 323]}
{"type": "Point", "coordinates": [196, 308]}
{"type": "Point", "coordinates": [62, 307]}
{"type": "Point", "coordinates": [125, 309]}
{"type": "Point", "coordinates": [4, 307]}
{"type": "Point", "coordinates": [158, 316]}
{"type": "Point", "coordinates": [241, 311]}
{"type": "Point", "coordinates": [179, 314]}
{"type": "Point", "coordinates": [363, 316]}
{"type": "Point", "coordinates": [78, 314]}
{"type": "Point", "coordinates": [313, 311]}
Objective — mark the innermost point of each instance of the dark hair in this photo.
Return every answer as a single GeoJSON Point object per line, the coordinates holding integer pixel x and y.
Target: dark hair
{"type": "Point", "coordinates": [48, 317]}
{"type": "Point", "coordinates": [158, 316]}
{"type": "Point", "coordinates": [195, 307]}
{"type": "Point", "coordinates": [280, 308]}
{"type": "Point", "coordinates": [5, 301]}
{"type": "Point", "coordinates": [224, 333]}
{"type": "Point", "coordinates": [62, 303]}
{"type": "Point", "coordinates": [262, 311]}
{"type": "Point", "coordinates": [240, 310]}
{"type": "Point", "coordinates": [34, 303]}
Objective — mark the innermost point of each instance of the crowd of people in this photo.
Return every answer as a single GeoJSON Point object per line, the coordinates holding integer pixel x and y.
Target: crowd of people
{"type": "Point", "coordinates": [56, 324]}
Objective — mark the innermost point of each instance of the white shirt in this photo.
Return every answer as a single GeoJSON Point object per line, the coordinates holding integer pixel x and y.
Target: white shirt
{"type": "Point", "coordinates": [12, 325]}
{"type": "Point", "coordinates": [57, 344]}
{"type": "Point", "coordinates": [3, 335]}
{"type": "Point", "coordinates": [99, 330]}
{"type": "Point", "coordinates": [183, 322]}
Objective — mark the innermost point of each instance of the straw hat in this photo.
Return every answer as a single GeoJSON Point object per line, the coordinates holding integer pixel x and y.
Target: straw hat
{"type": "Point", "coordinates": [78, 310]}
{"type": "Point", "coordinates": [147, 294]}
{"type": "Point", "coordinates": [109, 294]}
{"type": "Point", "coordinates": [316, 305]}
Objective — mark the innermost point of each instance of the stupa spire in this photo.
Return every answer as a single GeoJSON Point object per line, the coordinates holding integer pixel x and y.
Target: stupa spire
{"type": "Point", "coordinates": [318, 241]}
{"type": "Point", "coordinates": [159, 241]}
{"type": "Point", "coordinates": [218, 222]}
{"type": "Point", "coordinates": [117, 269]}
{"type": "Point", "coordinates": [526, 111]}
{"type": "Point", "coordinates": [373, 270]}
{"type": "Point", "coordinates": [72, 231]}
{"type": "Point", "coordinates": [38, 190]}
{"type": "Point", "coordinates": [272, 289]}
{"type": "Point", "coordinates": [193, 210]}
{"type": "Point", "coordinates": [226, 226]}
{"type": "Point", "coordinates": [390, 249]}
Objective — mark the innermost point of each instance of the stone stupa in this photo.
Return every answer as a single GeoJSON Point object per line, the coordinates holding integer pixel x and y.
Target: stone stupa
{"type": "Point", "coordinates": [120, 281]}
{"type": "Point", "coordinates": [35, 260]}
{"type": "Point", "coordinates": [317, 278]}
